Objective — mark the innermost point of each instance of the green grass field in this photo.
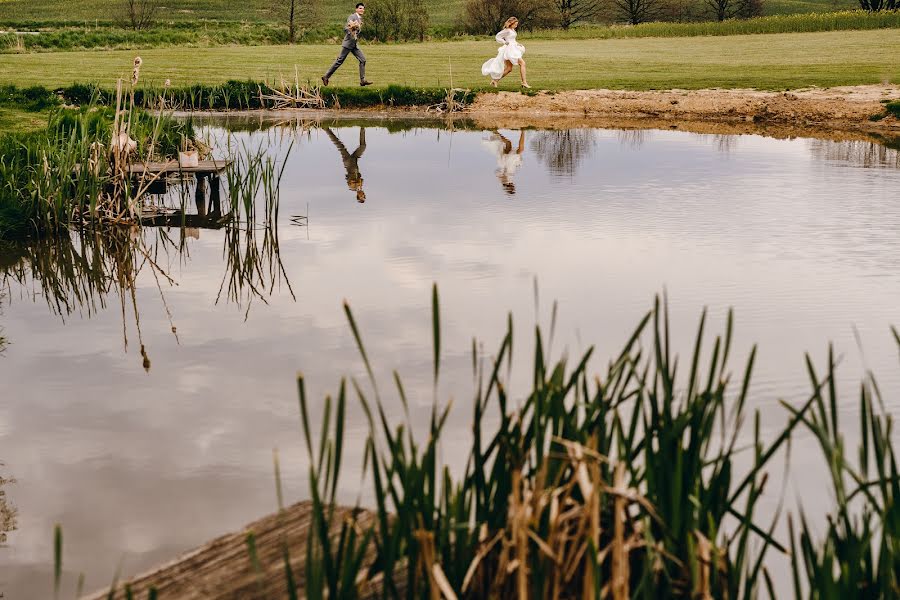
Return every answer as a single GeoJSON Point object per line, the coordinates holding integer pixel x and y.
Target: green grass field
{"type": "Point", "coordinates": [778, 61]}
{"type": "Point", "coordinates": [442, 12]}
{"type": "Point", "coordinates": [80, 12]}
{"type": "Point", "coordinates": [13, 120]}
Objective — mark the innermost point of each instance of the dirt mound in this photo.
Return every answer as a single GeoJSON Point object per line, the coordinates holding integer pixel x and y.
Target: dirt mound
{"type": "Point", "coordinates": [814, 106]}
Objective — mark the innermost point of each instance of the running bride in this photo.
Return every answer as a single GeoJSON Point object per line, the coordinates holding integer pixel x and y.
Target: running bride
{"type": "Point", "coordinates": [509, 54]}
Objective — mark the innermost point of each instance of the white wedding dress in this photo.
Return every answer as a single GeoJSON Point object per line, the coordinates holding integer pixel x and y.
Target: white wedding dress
{"type": "Point", "coordinates": [510, 51]}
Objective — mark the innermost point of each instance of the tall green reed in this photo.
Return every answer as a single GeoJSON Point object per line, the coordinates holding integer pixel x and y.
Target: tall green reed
{"type": "Point", "coordinates": [629, 484]}
{"type": "Point", "coordinates": [858, 555]}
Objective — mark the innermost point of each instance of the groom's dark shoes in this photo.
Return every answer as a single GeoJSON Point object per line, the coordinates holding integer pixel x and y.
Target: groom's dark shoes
{"type": "Point", "coordinates": [325, 81]}
{"type": "Point", "coordinates": [363, 83]}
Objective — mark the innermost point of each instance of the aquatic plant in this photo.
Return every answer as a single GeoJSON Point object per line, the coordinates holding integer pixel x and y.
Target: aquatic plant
{"type": "Point", "coordinates": [253, 266]}
{"type": "Point", "coordinates": [859, 554]}
{"type": "Point", "coordinates": [621, 486]}
{"type": "Point", "coordinates": [76, 172]}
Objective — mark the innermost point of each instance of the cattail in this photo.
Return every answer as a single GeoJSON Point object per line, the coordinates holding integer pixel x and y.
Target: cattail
{"type": "Point", "coordinates": [136, 71]}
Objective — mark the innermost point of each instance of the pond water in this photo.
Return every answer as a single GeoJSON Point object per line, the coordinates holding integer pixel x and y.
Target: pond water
{"type": "Point", "coordinates": [142, 418]}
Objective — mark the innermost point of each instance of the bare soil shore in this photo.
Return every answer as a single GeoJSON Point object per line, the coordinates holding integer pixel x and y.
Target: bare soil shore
{"type": "Point", "coordinates": [841, 113]}
{"type": "Point", "coordinates": [850, 107]}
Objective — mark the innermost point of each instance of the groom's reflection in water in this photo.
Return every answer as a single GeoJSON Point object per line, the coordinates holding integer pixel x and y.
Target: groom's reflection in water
{"type": "Point", "coordinates": [509, 158]}
{"type": "Point", "coordinates": [351, 164]}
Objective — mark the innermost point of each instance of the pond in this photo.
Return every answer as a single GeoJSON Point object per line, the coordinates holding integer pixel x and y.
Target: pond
{"type": "Point", "coordinates": [148, 376]}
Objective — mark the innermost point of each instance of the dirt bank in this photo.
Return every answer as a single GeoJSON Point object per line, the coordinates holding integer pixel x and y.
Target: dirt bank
{"type": "Point", "coordinates": [840, 107]}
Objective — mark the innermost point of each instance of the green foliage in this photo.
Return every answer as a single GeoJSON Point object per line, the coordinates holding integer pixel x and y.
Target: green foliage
{"type": "Point", "coordinates": [893, 108]}
{"type": "Point", "coordinates": [232, 95]}
{"type": "Point", "coordinates": [668, 452]}
{"type": "Point", "coordinates": [859, 554]}
{"type": "Point", "coordinates": [668, 445]}
{"type": "Point", "coordinates": [800, 23]}
{"type": "Point", "coordinates": [110, 37]}
{"type": "Point", "coordinates": [396, 20]}
{"type": "Point", "coordinates": [33, 99]}
{"type": "Point", "coordinates": [44, 176]}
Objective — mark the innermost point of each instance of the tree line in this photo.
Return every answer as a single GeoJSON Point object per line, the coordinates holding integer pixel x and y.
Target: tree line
{"type": "Point", "coordinates": [403, 20]}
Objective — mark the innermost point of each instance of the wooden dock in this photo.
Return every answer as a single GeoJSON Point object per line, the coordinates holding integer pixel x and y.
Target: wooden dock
{"type": "Point", "coordinates": [222, 569]}
{"type": "Point", "coordinates": [172, 167]}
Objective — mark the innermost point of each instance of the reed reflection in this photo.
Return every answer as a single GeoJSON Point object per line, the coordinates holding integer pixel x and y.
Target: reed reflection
{"type": "Point", "coordinates": [84, 272]}
{"type": "Point", "coordinates": [8, 512]}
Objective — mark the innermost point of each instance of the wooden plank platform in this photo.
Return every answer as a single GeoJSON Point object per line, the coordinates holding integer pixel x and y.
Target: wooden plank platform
{"type": "Point", "coordinates": [222, 568]}
{"type": "Point", "coordinates": [205, 167]}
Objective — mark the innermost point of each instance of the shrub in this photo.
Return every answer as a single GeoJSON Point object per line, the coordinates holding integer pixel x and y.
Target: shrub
{"type": "Point", "coordinates": [396, 20]}
{"type": "Point", "coordinates": [488, 16]}
{"type": "Point", "coordinates": [32, 99]}
{"type": "Point", "coordinates": [893, 108]}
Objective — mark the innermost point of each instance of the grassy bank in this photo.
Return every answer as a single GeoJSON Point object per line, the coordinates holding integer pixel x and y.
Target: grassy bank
{"type": "Point", "coordinates": [212, 34]}
{"type": "Point", "coordinates": [777, 61]}
{"type": "Point", "coordinates": [69, 173]}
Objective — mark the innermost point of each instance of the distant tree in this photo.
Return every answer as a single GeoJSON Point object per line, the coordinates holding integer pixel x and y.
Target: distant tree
{"type": "Point", "coordinates": [751, 8]}
{"type": "Point", "coordinates": [638, 11]}
{"type": "Point", "coordinates": [877, 5]}
{"type": "Point", "coordinates": [396, 20]}
{"type": "Point", "coordinates": [140, 14]}
{"type": "Point", "coordinates": [488, 16]}
{"type": "Point", "coordinates": [723, 9]}
{"type": "Point", "coordinates": [573, 11]}
{"type": "Point", "coordinates": [300, 14]}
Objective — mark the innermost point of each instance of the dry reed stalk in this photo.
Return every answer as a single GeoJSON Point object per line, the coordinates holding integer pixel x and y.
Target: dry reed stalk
{"type": "Point", "coordinates": [450, 103]}
{"type": "Point", "coordinates": [439, 586]}
{"type": "Point", "coordinates": [620, 565]}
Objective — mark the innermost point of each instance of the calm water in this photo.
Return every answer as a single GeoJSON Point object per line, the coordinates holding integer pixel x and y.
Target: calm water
{"type": "Point", "coordinates": [140, 455]}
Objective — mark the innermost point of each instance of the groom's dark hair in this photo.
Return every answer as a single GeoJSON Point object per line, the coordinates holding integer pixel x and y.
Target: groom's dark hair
{"type": "Point", "coordinates": [358, 4]}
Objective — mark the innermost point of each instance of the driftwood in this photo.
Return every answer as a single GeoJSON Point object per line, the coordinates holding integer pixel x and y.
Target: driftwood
{"type": "Point", "coordinates": [222, 569]}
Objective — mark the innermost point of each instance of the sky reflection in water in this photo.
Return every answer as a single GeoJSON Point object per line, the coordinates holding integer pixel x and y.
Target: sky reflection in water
{"type": "Point", "coordinates": [145, 460]}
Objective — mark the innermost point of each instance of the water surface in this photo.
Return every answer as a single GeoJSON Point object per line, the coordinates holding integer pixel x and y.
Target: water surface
{"type": "Point", "coordinates": [142, 454]}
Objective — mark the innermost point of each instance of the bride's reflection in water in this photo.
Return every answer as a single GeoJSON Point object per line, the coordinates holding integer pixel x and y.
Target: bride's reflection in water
{"type": "Point", "coordinates": [509, 158]}
{"type": "Point", "coordinates": [351, 161]}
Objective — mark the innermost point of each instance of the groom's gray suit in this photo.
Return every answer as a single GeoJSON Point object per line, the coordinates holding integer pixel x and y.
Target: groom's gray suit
{"type": "Point", "coordinates": [349, 46]}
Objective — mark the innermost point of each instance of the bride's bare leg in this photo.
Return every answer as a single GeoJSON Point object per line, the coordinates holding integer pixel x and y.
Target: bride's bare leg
{"type": "Point", "coordinates": [522, 73]}
{"type": "Point", "coordinates": [507, 69]}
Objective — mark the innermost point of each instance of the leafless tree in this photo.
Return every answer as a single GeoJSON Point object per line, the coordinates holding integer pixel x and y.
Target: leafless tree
{"type": "Point", "coordinates": [140, 14]}
{"type": "Point", "coordinates": [488, 16]}
{"type": "Point", "coordinates": [563, 150]}
{"type": "Point", "coordinates": [395, 20]}
{"type": "Point", "coordinates": [573, 11]}
{"type": "Point", "coordinates": [638, 11]}
{"type": "Point", "coordinates": [723, 9]}
{"type": "Point", "coordinates": [877, 5]}
{"type": "Point", "coordinates": [300, 14]}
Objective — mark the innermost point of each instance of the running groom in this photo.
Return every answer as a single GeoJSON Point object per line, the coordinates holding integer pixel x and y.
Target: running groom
{"type": "Point", "coordinates": [350, 46]}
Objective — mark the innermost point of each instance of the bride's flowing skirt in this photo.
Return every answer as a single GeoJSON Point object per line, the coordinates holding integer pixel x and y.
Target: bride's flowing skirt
{"type": "Point", "coordinates": [494, 67]}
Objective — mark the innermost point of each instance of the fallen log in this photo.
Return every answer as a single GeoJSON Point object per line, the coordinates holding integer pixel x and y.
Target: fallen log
{"type": "Point", "coordinates": [223, 569]}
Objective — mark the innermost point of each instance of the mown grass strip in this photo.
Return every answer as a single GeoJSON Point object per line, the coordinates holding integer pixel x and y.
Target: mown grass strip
{"type": "Point", "coordinates": [776, 61]}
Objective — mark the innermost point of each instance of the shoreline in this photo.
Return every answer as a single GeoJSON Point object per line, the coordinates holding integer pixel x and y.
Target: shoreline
{"type": "Point", "coordinates": [814, 112]}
